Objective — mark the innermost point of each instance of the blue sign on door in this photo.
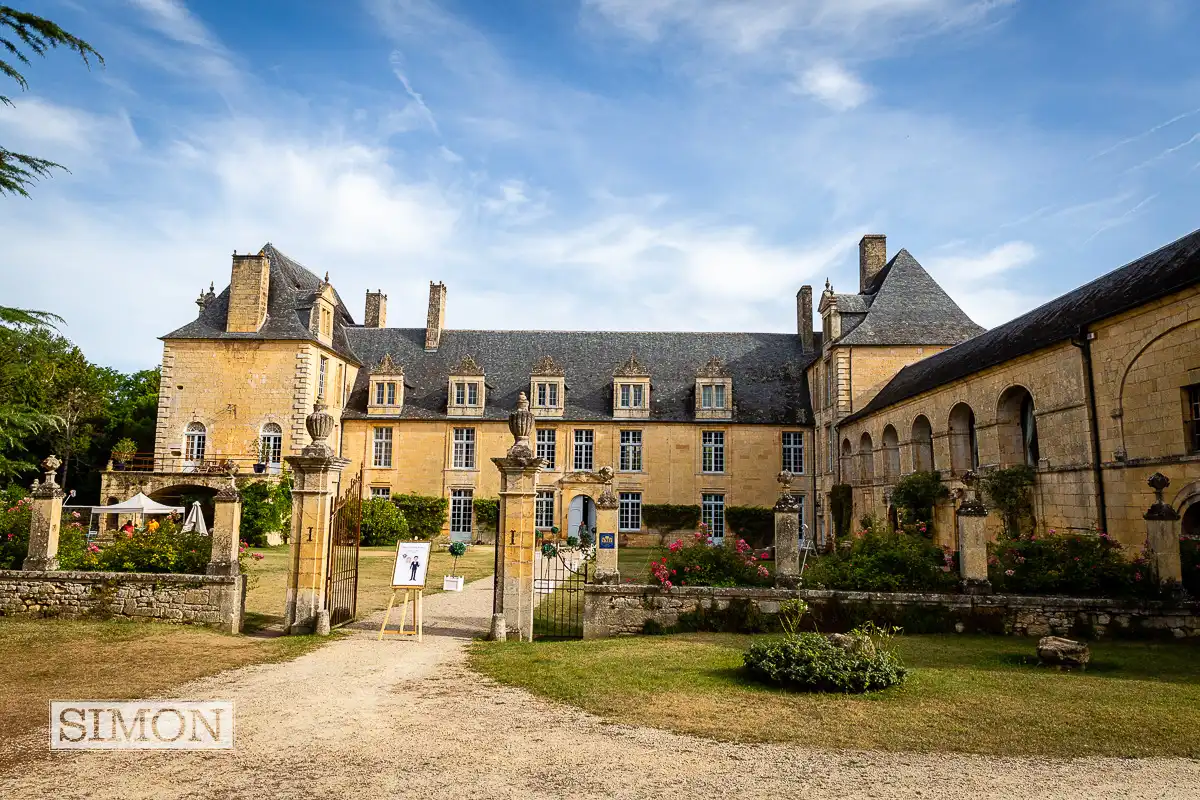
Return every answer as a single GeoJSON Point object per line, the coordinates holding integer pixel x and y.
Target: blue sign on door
{"type": "Point", "coordinates": [608, 541]}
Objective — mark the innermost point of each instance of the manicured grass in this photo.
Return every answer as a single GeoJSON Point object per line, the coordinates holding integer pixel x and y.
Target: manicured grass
{"type": "Point", "coordinates": [964, 694]}
{"type": "Point", "coordinates": [634, 563]}
{"type": "Point", "coordinates": [267, 595]}
{"type": "Point", "coordinates": [52, 659]}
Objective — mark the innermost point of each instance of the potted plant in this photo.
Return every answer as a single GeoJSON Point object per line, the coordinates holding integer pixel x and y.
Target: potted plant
{"type": "Point", "coordinates": [452, 582]}
{"type": "Point", "coordinates": [257, 449]}
{"type": "Point", "coordinates": [123, 452]}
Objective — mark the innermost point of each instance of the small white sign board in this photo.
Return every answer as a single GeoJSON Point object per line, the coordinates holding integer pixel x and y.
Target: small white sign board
{"type": "Point", "coordinates": [412, 562]}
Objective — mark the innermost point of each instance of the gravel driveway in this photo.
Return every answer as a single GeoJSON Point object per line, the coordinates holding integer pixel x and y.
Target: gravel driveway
{"type": "Point", "coordinates": [367, 719]}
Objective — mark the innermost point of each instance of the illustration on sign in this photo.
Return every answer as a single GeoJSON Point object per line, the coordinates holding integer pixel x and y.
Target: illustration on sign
{"type": "Point", "coordinates": [412, 560]}
{"type": "Point", "coordinates": [608, 541]}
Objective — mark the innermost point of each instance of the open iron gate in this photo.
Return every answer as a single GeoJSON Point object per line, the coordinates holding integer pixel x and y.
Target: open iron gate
{"type": "Point", "coordinates": [345, 526]}
{"type": "Point", "coordinates": [558, 580]}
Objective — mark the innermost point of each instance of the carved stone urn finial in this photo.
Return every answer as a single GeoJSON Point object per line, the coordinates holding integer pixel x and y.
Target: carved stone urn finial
{"type": "Point", "coordinates": [1160, 509]}
{"type": "Point", "coordinates": [785, 479]}
{"type": "Point", "coordinates": [971, 505]}
{"type": "Point", "coordinates": [521, 425]}
{"type": "Point", "coordinates": [50, 465]}
{"type": "Point", "coordinates": [319, 424]}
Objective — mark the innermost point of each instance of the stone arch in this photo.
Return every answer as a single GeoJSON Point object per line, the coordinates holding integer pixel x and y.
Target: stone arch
{"type": "Point", "coordinates": [1016, 427]}
{"type": "Point", "coordinates": [922, 444]}
{"type": "Point", "coordinates": [849, 468]}
{"type": "Point", "coordinates": [866, 458]}
{"type": "Point", "coordinates": [964, 443]}
{"type": "Point", "coordinates": [1147, 412]}
{"type": "Point", "coordinates": [891, 453]}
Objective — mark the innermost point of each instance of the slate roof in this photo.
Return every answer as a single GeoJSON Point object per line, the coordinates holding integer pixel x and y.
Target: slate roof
{"type": "Point", "coordinates": [290, 296]}
{"type": "Point", "coordinates": [905, 306]}
{"type": "Point", "coordinates": [1163, 272]}
{"type": "Point", "coordinates": [769, 383]}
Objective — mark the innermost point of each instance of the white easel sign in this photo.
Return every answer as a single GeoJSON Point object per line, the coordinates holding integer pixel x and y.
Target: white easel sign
{"type": "Point", "coordinates": [412, 563]}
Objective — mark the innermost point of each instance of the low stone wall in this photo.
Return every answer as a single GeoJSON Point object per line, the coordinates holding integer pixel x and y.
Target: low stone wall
{"type": "Point", "coordinates": [627, 609]}
{"type": "Point", "coordinates": [217, 601]}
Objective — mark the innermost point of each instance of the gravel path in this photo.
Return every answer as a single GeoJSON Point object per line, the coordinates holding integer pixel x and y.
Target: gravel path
{"type": "Point", "coordinates": [367, 719]}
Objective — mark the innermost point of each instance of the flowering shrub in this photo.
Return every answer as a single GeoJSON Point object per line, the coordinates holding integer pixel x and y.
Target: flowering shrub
{"type": "Point", "coordinates": [698, 562]}
{"type": "Point", "coordinates": [15, 516]}
{"type": "Point", "coordinates": [155, 547]}
{"type": "Point", "coordinates": [1068, 564]}
{"type": "Point", "coordinates": [879, 560]}
{"type": "Point", "coordinates": [861, 661]}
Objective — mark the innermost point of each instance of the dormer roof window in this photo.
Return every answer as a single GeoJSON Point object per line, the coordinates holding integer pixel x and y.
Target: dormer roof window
{"type": "Point", "coordinates": [547, 387]}
{"type": "Point", "coordinates": [386, 392]}
{"type": "Point", "coordinates": [714, 391]}
{"type": "Point", "coordinates": [631, 390]}
{"type": "Point", "coordinates": [467, 390]}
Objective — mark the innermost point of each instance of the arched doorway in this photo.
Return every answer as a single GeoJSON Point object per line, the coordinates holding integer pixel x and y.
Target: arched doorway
{"type": "Point", "coordinates": [1191, 521]}
{"type": "Point", "coordinates": [184, 495]}
{"type": "Point", "coordinates": [581, 510]}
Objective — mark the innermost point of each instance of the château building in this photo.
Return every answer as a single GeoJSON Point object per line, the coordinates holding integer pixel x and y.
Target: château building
{"type": "Point", "coordinates": [1095, 390]}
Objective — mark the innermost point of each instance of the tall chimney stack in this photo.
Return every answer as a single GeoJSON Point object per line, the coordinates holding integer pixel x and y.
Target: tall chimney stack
{"type": "Point", "coordinates": [437, 315]}
{"type": "Point", "coordinates": [249, 283]}
{"type": "Point", "coordinates": [375, 315]}
{"type": "Point", "coordinates": [804, 316]}
{"type": "Point", "coordinates": [872, 255]}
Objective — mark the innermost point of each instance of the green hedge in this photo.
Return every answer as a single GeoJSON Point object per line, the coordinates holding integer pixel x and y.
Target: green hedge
{"type": "Point", "coordinates": [426, 515]}
{"type": "Point", "coordinates": [755, 524]}
{"type": "Point", "coordinates": [487, 512]}
{"type": "Point", "coordinates": [266, 507]}
{"type": "Point", "coordinates": [664, 518]}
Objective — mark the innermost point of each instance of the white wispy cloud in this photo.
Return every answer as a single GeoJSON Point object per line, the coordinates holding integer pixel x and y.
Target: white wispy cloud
{"type": "Point", "coordinates": [833, 85]}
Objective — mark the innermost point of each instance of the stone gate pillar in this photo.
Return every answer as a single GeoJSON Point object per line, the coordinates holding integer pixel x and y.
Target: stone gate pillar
{"type": "Point", "coordinates": [1162, 534]}
{"type": "Point", "coordinates": [971, 519]}
{"type": "Point", "coordinates": [315, 475]}
{"type": "Point", "coordinates": [513, 600]}
{"type": "Point", "coordinates": [226, 531]}
{"type": "Point", "coordinates": [607, 520]}
{"type": "Point", "coordinates": [787, 535]}
{"type": "Point", "coordinates": [46, 520]}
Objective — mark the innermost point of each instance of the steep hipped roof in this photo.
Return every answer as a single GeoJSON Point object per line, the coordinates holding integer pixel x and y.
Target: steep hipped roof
{"type": "Point", "coordinates": [1160, 273]}
{"type": "Point", "coordinates": [290, 296]}
{"type": "Point", "coordinates": [767, 369]}
{"type": "Point", "coordinates": [908, 307]}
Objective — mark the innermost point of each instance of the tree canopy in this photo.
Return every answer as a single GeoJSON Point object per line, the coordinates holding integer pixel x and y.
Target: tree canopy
{"type": "Point", "coordinates": [21, 35]}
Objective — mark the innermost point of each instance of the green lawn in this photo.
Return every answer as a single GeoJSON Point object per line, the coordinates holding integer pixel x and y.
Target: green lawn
{"type": "Point", "coordinates": [267, 595]}
{"type": "Point", "coordinates": [964, 694]}
{"type": "Point", "coordinates": [634, 563]}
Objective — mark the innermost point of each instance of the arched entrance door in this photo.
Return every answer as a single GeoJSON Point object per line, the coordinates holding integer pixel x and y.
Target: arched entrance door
{"type": "Point", "coordinates": [1191, 520]}
{"type": "Point", "coordinates": [581, 510]}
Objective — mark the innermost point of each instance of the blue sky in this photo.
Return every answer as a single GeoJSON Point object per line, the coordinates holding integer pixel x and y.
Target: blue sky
{"type": "Point", "coordinates": [604, 164]}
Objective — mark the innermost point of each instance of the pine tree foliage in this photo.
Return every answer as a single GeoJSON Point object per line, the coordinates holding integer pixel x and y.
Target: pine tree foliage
{"type": "Point", "coordinates": [21, 35]}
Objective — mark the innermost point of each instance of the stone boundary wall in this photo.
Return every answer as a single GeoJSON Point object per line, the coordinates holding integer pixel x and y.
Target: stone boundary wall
{"type": "Point", "coordinates": [217, 601]}
{"type": "Point", "coordinates": [628, 609]}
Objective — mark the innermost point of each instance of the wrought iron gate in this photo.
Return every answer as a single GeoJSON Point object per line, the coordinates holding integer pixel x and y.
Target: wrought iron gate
{"type": "Point", "coordinates": [345, 526]}
{"type": "Point", "coordinates": [558, 580]}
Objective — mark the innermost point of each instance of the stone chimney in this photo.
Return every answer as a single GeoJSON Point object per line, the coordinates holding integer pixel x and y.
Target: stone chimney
{"type": "Point", "coordinates": [804, 317]}
{"type": "Point", "coordinates": [248, 287]}
{"type": "Point", "coordinates": [872, 255]}
{"type": "Point", "coordinates": [437, 315]}
{"type": "Point", "coordinates": [375, 315]}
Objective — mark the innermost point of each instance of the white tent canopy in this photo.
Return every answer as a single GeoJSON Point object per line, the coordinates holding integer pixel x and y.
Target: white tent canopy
{"type": "Point", "coordinates": [138, 504]}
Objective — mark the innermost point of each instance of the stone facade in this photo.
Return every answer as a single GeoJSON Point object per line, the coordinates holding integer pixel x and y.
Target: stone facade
{"type": "Point", "coordinates": [210, 600]}
{"type": "Point", "coordinates": [632, 610]}
{"type": "Point", "coordinates": [1141, 361]}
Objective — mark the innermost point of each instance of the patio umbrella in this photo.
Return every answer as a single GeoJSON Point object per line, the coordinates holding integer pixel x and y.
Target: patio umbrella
{"type": "Point", "coordinates": [195, 520]}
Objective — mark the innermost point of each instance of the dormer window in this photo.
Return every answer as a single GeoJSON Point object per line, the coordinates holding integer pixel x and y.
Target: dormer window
{"type": "Point", "coordinates": [714, 391]}
{"type": "Point", "coordinates": [467, 390]}
{"type": "Point", "coordinates": [466, 393]}
{"type": "Point", "coordinates": [326, 322]}
{"type": "Point", "coordinates": [631, 390]}
{"type": "Point", "coordinates": [320, 321]}
{"type": "Point", "coordinates": [386, 388]}
{"type": "Point", "coordinates": [547, 388]}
